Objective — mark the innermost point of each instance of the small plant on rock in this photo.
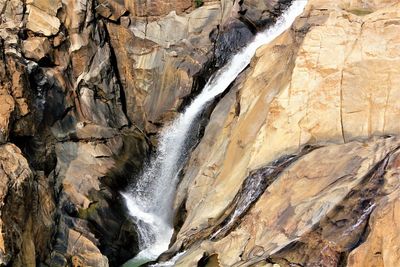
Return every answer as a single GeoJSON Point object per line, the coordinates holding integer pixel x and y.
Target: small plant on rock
{"type": "Point", "coordinates": [198, 3]}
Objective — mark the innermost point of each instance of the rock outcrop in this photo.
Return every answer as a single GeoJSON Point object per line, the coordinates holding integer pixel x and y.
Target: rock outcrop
{"type": "Point", "coordinates": [84, 87]}
{"type": "Point", "coordinates": [298, 164]}
{"type": "Point", "coordinates": [15, 202]}
{"type": "Point", "coordinates": [329, 82]}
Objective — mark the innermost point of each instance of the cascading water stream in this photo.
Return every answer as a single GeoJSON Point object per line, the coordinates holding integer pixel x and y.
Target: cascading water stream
{"type": "Point", "coordinates": [150, 202]}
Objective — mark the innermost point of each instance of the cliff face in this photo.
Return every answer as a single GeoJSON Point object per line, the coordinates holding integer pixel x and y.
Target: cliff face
{"type": "Point", "coordinates": [298, 164]}
{"type": "Point", "coordinates": [84, 87]}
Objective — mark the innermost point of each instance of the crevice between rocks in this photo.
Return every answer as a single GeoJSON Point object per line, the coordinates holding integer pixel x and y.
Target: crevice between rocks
{"type": "Point", "coordinates": [251, 190]}
{"type": "Point", "coordinates": [342, 230]}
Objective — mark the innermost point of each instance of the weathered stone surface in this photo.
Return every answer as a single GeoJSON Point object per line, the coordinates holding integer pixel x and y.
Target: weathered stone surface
{"type": "Point", "coordinates": [116, 66]}
{"type": "Point", "coordinates": [382, 245]}
{"type": "Point", "coordinates": [157, 81]}
{"type": "Point", "coordinates": [99, 94]}
{"type": "Point", "coordinates": [363, 7]}
{"type": "Point", "coordinates": [156, 7]}
{"type": "Point", "coordinates": [64, 94]}
{"type": "Point", "coordinates": [16, 179]}
{"type": "Point", "coordinates": [12, 13]}
{"type": "Point", "coordinates": [170, 52]}
{"type": "Point", "coordinates": [328, 79]}
{"type": "Point", "coordinates": [41, 22]}
{"type": "Point", "coordinates": [345, 227]}
{"type": "Point", "coordinates": [300, 199]}
{"type": "Point", "coordinates": [111, 9]}
{"type": "Point", "coordinates": [42, 16]}
{"type": "Point", "coordinates": [83, 252]}
{"type": "Point", "coordinates": [89, 198]}
{"type": "Point", "coordinates": [6, 107]}
{"type": "Point", "coordinates": [36, 48]}
{"type": "Point", "coordinates": [49, 6]}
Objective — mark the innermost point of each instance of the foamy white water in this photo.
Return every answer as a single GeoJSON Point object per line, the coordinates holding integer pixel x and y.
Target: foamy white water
{"type": "Point", "coordinates": [150, 203]}
{"type": "Point", "coordinates": [171, 262]}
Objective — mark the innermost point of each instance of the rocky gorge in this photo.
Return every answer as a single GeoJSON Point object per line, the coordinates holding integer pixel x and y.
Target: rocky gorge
{"type": "Point", "coordinates": [295, 164]}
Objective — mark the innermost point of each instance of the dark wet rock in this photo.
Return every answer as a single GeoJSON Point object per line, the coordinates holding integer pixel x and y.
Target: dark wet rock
{"type": "Point", "coordinates": [234, 36]}
{"type": "Point", "coordinates": [262, 13]}
{"type": "Point", "coordinates": [343, 229]}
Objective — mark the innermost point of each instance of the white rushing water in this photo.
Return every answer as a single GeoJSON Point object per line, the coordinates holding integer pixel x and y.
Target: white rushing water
{"type": "Point", "coordinates": [150, 202]}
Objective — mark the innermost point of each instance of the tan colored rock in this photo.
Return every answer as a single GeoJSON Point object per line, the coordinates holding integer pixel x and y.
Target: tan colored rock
{"type": "Point", "coordinates": [111, 9]}
{"type": "Point", "coordinates": [84, 176]}
{"type": "Point", "coordinates": [48, 6]}
{"type": "Point", "coordinates": [382, 247]}
{"type": "Point", "coordinates": [331, 78]}
{"type": "Point", "coordinates": [15, 194]}
{"type": "Point", "coordinates": [281, 116]}
{"type": "Point", "coordinates": [81, 167]}
{"type": "Point", "coordinates": [158, 74]}
{"type": "Point", "coordinates": [160, 31]}
{"type": "Point", "coordinates": [6, 108]}
{"type": "Point", "coordinates": [74, 15]}
{"type": "Point", "coordinates": [83, 252]}
{"type": "Point", "coordinates": [156, 7]}
{"type": "Point", "coordinates": [36, 48]}
{"type": "Point", "coordinates": [298, 201]}
{"type": "Point", "coordinates": [39, 225]}
{"type": "Point", "coordinates": [18, 86]}
{"type": "Point", "coordinates": [12, 13]}
{"type": "Point", "coordinates": [361, 7]}
{"type": "Point", "coordinates": [59, 39]}
{"type": "Point", "coordinates": [41, 22]}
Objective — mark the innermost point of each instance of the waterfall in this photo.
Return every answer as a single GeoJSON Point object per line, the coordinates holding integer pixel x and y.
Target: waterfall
{"type": "Point", "coordinates": [150, 202]}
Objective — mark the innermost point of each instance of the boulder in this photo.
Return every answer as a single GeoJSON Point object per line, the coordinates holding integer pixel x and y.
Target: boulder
{"type": "Point", "coordinates": [111, 9]}
{"type": "Point", "coordinates": [48, 6]}
{"type": "Point", "coordinates": [36, 48]}
{"type": "Point", "coordinates": [41, 22]}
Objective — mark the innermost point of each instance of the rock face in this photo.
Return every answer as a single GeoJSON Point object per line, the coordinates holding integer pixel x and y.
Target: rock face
{"type": "Point", "coordinates": [298, 164]}
{"type": "Point", "coordinates": [84, 87]}
{"type": "Point", "coordinates": [329, 82]}
{"type": "Point", "coordinates": [15, 201]}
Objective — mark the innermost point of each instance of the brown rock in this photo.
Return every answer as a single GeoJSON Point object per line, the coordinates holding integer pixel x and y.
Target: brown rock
{"type": "Point", "coordinates": [15, 200]}
{"type": "Point", "coordinates": [6, 108]}
{"type": "Point", "coordinates": [41, 22]}
{"type": "Point", "coordinates": [158, 80]}
{"type": "Point", "coordinates": [300, 200]}
{"type": "Point", "coordinates": [382, 245]}
{"type": "Point", "coordinates": [12, 13]}
{"type": "Point", "coordinates": [36, 48]}
{"type": "Point", "coordinates": [157, 7]}
{"type": "Point", "coordinates": [125, 21]}
{"type": "Point", "coordinates": [48, 6]}
{"type": "Point", "coordinates": [83, 252]}
{"type": "Point", "coordinates": [111, 9]}
{"type": "Point", "coordinates": [59, 39]}
{"type": "Point", "coordinates": [307, 87]}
